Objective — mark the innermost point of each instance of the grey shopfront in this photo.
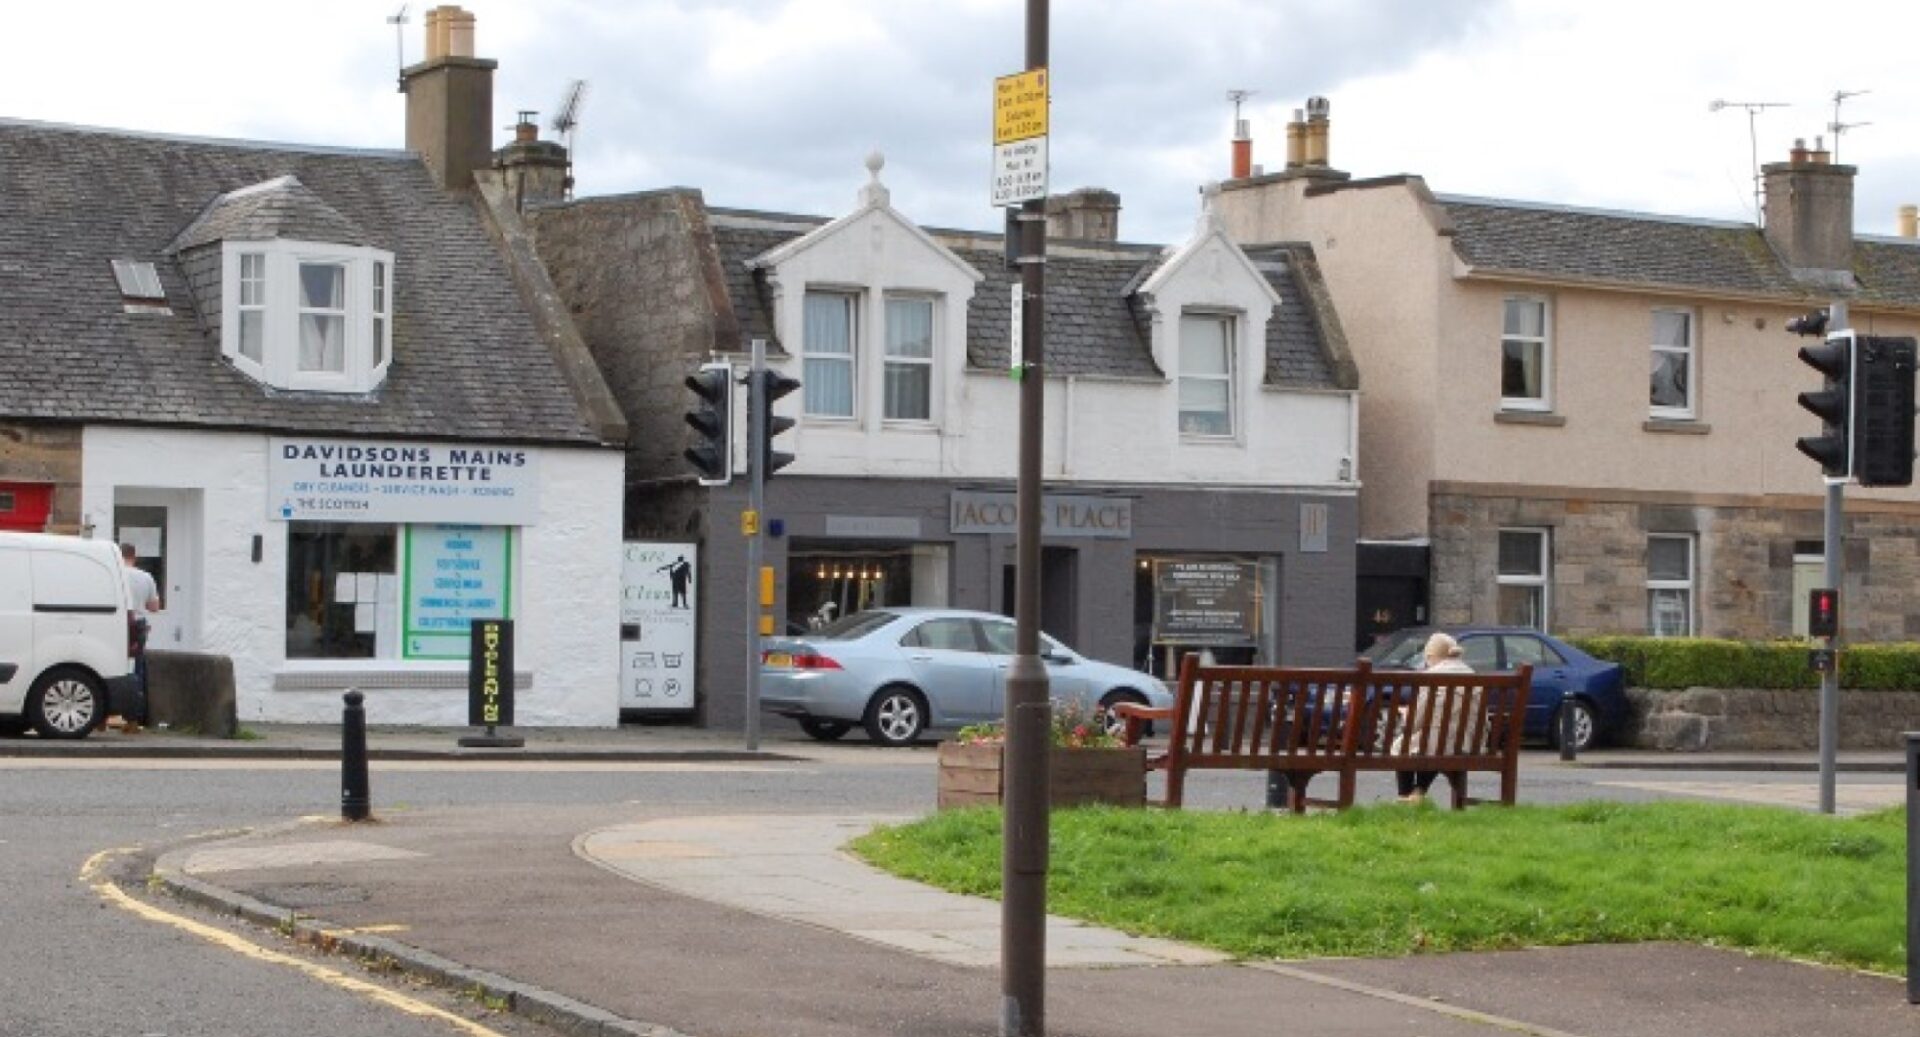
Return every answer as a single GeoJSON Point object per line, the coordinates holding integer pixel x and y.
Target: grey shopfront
{"type": "Point", "coordinates": [1131, 575]}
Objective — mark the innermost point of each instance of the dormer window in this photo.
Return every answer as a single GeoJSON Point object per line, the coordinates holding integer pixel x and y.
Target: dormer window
{"type": "Point", "coordinates": [308, 315]}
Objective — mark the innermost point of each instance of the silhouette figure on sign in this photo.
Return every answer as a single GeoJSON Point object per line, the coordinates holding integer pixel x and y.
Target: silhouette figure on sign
{"type": "Point", "coordinates": [681, 573]}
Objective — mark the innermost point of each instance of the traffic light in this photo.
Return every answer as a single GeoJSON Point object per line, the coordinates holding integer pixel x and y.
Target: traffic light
{"type": "Point", "coordinates": [712, 418]}
{"type": "Point", "coordinates": [1833, 403]}
{"type": "Point", "coordinates": [1823, 612]}
{"type": "Point", "coordinates": [769, 386]}
{"type": "Point", "coordinates": [1883, 372]}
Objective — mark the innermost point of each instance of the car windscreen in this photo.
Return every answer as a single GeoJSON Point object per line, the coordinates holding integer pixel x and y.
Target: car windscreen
{"type": "Point", "coordinates": [854, 625]}
{"type": "Point", "coordinates": [1400, 650]}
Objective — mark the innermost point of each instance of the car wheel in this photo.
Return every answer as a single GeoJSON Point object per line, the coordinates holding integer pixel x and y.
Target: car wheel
{"type": "Point", "coordinates": [825, 730]}
{"type": "Point", "coordinates": [65, 703]}
{"type": "Point", "coordinates": [1116, 725]}
{"type": "Point", "coordinates": [896, 716]}
{"type": "Point", "coordinates": [1586, 726]}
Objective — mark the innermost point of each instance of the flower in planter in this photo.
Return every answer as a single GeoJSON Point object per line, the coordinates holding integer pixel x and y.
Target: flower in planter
{"type": "Point", "coordinates": [1075, 726]}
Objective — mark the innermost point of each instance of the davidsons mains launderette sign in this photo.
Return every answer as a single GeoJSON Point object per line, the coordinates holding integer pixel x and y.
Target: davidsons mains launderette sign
{"type": "Point", "coordinates": [371, 480]}
{"type": "Point", "coordinates": [1062, 515]}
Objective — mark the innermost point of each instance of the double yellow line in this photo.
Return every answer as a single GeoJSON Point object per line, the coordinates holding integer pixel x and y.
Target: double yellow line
{"type": "Point", "coordinates": [93, 874]}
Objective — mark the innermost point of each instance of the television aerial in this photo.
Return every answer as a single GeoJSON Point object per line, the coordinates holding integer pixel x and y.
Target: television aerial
{"type": "Point", "coordinates": [1836, 127]}
{"type": "Point", "coordinates": [1753, 108]}
{"type": "Point", "coordinates": [398, 20]}
{"type": "Point", "coordinates": [565, 121]}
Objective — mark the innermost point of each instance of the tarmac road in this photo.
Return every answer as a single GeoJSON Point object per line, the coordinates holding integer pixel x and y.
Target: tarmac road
{"type": "Point", "coordinates": [74, 963]}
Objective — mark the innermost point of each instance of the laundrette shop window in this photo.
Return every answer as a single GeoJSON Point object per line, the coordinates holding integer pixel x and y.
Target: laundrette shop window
{"type": "Point", "coordinates": [375, 591]}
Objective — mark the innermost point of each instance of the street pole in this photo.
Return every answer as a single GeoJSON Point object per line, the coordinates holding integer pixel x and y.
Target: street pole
{"type": "Point", "coordinates": [1835, 572]}
{"type": "Point", "coordinates": [756, 494]}
{"type": "Point", "coordinates": [1023, 903]}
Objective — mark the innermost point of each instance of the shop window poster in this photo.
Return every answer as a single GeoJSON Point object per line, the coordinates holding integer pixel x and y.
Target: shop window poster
{"type": "Point", "coordinates": [455, 574]}
{"type": "Point", "coordinates": [659, 606]}
{"type": "Point", "coordinates": [1205, 602]}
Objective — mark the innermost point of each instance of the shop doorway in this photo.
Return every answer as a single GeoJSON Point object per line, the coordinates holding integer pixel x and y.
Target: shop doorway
{"type": "Point", "coordinates": [1059, 593]}
{"type": "Point", "coordinates": [1390, 589]}
{"type": "Point", "coordinates": [164, 528]}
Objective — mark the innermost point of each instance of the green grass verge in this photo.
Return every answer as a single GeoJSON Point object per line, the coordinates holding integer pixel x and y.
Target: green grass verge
{"type": "Point", "coordinates": [1393, 880]}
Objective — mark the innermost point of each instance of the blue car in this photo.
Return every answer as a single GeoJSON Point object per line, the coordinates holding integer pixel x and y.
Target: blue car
{"type": "Point", "coordinates": [1563, 676]}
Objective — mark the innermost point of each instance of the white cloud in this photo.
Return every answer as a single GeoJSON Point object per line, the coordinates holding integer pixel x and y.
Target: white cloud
{"type": "Point", "coordinates": [774, 103]}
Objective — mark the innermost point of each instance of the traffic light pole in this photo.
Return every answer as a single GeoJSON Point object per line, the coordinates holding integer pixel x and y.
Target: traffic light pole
{"type": "Point", "coordinates": [1023, 865]}
{"type": "Point", "coordinates": [1835, 571]}
{"type": "Point", "coordinates": [756, 498]}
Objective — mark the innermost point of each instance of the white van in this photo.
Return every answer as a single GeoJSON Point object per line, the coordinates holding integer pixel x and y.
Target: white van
{"type": "Point", "coordinates": [65, 632]}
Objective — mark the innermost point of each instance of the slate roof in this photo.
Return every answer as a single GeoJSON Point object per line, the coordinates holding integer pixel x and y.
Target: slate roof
{"type": "Point", "coordinates": [279, 208]}
{"type": "Point", "coordinates": [1659, 251]}
{"type": "Point", "coordinates": [1096, 325]}
{"type": "Point", "coordinates": [468, 362]}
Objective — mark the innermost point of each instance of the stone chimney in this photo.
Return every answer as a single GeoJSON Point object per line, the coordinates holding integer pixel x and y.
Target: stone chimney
{"type": "Point", "coordinates": [450, 101]}
{"type": "Point", "coordinates": [1089, 214]}
{"type": "Point", "coordinates": [1317, 130]}
{"type": "Point", "coordinates": [1809, 215]}
{"type": "Point", "coordinates": [535, 169]}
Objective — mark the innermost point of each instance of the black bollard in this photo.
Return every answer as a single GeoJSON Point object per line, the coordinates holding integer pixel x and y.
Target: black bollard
{"type": "Point", "coordinates": [1566, 728]}
{"type": "Point", "coordinates": [356, 799]}
{"type": "Point", "coordinates": [1913, 868]}
{"type": "Point", "coordinates": [1278, 784]}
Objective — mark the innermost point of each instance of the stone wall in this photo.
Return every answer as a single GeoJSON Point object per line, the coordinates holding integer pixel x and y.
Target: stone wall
{"type": "Point", "coordinates": [1731, 719]}
{"type": "Point", "coordinates": [45, 454]}
{"type": "Point", "coordinates": [1743, 586]}
{"type": "Point", "coordinates": [639, 275]}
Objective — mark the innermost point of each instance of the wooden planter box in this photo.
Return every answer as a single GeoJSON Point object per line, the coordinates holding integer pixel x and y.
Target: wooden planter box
{"type": "Point", "coordinates": [970, 775]}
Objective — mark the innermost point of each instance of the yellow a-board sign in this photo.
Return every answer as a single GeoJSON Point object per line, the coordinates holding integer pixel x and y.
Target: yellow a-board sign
{"type": "Point", "coordinates": [1020, 106]}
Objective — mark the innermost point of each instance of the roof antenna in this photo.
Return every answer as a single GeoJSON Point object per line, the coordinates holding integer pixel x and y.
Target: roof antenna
{"type": "Point", "coordinates": [1836, 127]}
{"type": "Point", "coordinates": [398, 20]}
{"type": "Point", "coordinates": [565, 122]}
{"type": "Point", "coordinates": [1754, 108]}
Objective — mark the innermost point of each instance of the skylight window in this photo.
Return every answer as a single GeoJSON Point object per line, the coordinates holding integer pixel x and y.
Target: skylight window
{"type": "Point", "coordinates": [140, 290]}
{"type": "Point", "coordinates": [139, 281]}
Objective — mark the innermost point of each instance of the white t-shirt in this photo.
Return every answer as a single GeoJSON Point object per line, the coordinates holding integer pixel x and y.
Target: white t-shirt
{"type": "Point", "coordinates": [140, 590]}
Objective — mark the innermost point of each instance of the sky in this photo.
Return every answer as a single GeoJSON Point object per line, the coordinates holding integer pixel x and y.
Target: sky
{"type": "Point", "coordinates": [775, 104]}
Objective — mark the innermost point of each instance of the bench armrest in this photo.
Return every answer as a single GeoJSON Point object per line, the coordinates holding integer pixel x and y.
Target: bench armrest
{"type": "Point", "coordinates": [1137, 717]}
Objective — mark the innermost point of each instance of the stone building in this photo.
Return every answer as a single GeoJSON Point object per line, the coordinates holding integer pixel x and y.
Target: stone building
{"type": "Point", "coordinates": [1585, 420]}
{"type": "Point", "coordinates": [1200, 420]}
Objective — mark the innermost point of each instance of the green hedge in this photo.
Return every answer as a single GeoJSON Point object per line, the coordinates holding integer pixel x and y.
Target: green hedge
{"type": "Point", "coordinates": [1700, 662]}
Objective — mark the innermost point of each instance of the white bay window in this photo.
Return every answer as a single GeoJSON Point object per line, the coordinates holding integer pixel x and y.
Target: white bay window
{"type": "Point", "coordinates": [308, 316]}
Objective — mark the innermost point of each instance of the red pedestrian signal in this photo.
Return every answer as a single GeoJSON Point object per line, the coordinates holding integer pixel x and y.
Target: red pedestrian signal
{"type": "Point", "coordinates": [1823, 612]}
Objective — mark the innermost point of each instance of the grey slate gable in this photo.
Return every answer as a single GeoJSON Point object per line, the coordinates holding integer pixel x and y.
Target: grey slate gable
{"type": "Point", "coordinates": [468, 362]}
{"type": "Point", "coordinates": [1096, 324]}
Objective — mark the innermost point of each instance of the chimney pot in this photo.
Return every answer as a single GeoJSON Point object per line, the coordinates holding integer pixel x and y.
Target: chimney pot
{"type": "Point", "coordinates": [1909, 221]}
{"type": "Point", "coordinates": [1242, 150]}
{"type": "Point", "coordinates": [459, 25]}
{"type": "Point", "coordinates": [1297, 140]}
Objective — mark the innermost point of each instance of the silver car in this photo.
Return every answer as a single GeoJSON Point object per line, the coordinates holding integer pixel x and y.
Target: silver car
{"type": "Point", "coordinates": [899, 671]}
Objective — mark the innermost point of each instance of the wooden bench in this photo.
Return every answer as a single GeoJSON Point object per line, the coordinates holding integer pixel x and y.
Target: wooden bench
{"type": "Point", "coordinates": [1308, 722]}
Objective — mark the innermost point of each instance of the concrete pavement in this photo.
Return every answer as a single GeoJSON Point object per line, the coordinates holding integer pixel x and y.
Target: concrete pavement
{"type": "Point", "coordinates": [610, 920]}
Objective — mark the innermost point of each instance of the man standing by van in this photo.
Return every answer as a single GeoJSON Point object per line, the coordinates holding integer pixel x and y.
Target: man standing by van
{"type": "Point", "coordinates": [143, 599]}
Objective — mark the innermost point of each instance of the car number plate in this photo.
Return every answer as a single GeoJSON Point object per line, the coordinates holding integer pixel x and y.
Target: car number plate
{"type": "Point", "coordinates": [781, 660]}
